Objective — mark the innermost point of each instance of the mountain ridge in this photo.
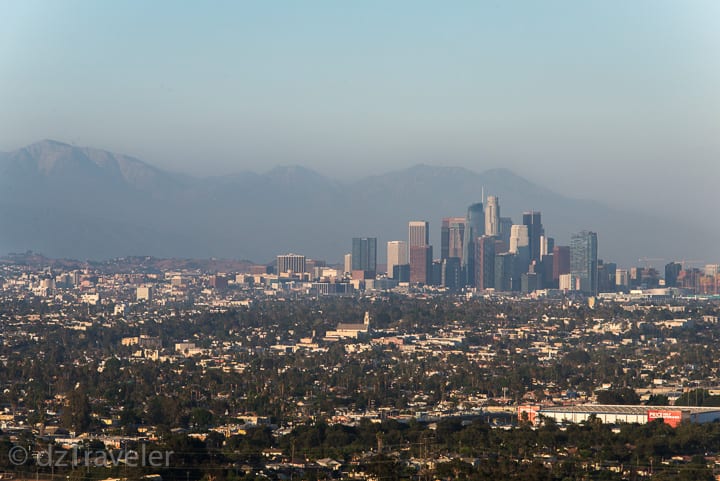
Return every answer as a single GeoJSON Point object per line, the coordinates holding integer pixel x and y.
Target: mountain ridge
{"type": "Point", "coordinates": [68, 201]}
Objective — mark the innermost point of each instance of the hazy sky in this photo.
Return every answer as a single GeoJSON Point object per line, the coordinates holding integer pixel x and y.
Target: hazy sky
{"type": "Point", "coordinates": [613, 100]}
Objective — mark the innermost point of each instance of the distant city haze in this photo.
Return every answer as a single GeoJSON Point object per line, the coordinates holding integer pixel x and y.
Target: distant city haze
{"type": "Point", "coordinates": [84, 203]}
{"type": "Point", "coordinates": [613, 101]}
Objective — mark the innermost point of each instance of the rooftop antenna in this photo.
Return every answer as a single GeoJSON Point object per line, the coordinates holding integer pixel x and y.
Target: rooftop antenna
{"type": "Point", "coordinates": [483, 194]}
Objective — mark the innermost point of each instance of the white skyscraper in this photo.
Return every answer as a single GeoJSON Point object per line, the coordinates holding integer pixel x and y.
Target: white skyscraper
{"type": "Point", "coordinates": [492, 216]}
{"type": "Point", "coordinates": [396, 255]}
{"type": "Point", "coordinates": [418, 233]}
{"type": "Point", "coordinates": [348, 263]}
{"type": "Point", "coordinates": [518, 237]}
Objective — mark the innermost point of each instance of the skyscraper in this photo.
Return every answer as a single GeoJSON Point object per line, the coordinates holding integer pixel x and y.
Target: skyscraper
{"type": "Point", "coordinates": [452, 233]}
{"type": "Point", "coordinates": [584, 260]}
{"type": "Point", "coordinates": [506, 224]}
{"type": "Point", "coordinates": [450, 273]}
{"type": "Point", "coordinates": [485, 262]}
{"type": "Point", "coordinates": [672, 271]}
{"type": "Point", "coordinates": [474, 227]}
{"type": "Point", "coordinates": [547, 244]}
{"type": "Point", "coordinates": [519, 237]}
{"type": "Point", "coordinates": [561, 262]}
{"type": "Point", "coordinates": [533, 221]}
{"type": "Point", "coordinates": [418, 233]}
{"type": "Point", "coordinates": [492, 216]}
{"type": "Point", "coordinates": [396, 255]}
{"type": "Point", "coordinates": [347, 263]}
{"type": "Point", "coordinates": [364, 255]}
{"type": "Point", "coordinates": [421, 264]}
{"type": "Point", "coordinates": [504, 269]}
{"type": "Point", "coordinates": [520, 247]}
{"type": "Point", "coordinates": [290, 263]}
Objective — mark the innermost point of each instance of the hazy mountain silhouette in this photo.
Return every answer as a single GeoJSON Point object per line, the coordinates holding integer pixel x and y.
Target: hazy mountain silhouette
{"type": "Point", "coordinates": [66, 201]}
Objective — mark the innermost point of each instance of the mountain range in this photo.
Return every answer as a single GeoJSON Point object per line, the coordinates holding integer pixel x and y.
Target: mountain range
{"type": "Point", "coordinates": [83, 203]}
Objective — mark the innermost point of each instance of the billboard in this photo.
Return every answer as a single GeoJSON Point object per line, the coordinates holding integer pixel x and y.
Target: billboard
{"type": "Point", "coordinates": [528, 412]}
{"type": "Point", "coordinates": [671, 417]}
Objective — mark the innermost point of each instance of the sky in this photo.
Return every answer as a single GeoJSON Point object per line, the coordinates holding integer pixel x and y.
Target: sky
{"type": "Point", "coordinates": [610, 100]}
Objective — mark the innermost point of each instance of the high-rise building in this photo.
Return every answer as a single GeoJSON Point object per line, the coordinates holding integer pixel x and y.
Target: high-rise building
{"type": "Point", "coordinates": [364, 256]}
{"type": "Point", "coordinates": [474, 228]}
{"type": "Point", "coordinates": [533, 221]}
{"type": "Point", "coordinates": [492, 216]}
{"type": "Point", "coordinates": [452, 234]}
{"type": "Point", "coordinates": [450, 273]}
{"type": "Point", "coordinates": [672, 271]}
{"type": "Point", "coordinates": [622, 279]}
{"type": "Point", "coordinates": [530, 282]}
{"type": "Point", "coordinates": [519, 237]}
{"type": "Point", "coordinates": [546, 271]}
{"type": "Point", "coordinates": [520, 246]}
{"type": "Point", "coordinates": [584, 260]}
{"type": "Point", "coordinates": [418, 233]}
{"type": "Point", "coordinates": [504, 271]}
{"type": "Point", "coordinates": [547, 244]}
{"type": "Point", "coordinates": [436, 274]}
{"type": "Point", "coordinates": [561, 262]}
{"type": "Point", "coordinates": [144, 293]}
{"type": "Point", "coordinates": [396, 255]}
{"type": "Point", "coordinates": [347, 263]}
{"type": "Point", "coordinates": [401, 273]}
{"type": "Point", "coordinates": [290, 263]}
{"type": "Point", "coordinates": [506, 224]}
{"type": "Point", "coordinates": [485, 262]}
{"type": "Point", "coordinates": [606, 276]}
{"type": "Point", "coordinates": [218, 282]}
{"type": "Point", "coordinates": [421, 264]}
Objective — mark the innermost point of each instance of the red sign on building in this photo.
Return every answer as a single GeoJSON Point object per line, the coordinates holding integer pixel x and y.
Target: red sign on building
{"type": "Point", "coordinates": [673, 418]}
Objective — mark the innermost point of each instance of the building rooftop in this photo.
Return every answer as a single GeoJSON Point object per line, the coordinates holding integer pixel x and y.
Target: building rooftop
{"type": "Point", "coordinates": [624, 409]}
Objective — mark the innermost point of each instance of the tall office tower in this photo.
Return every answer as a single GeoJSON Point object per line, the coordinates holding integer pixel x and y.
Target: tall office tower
{"type": "Point", "coordinates": [520, 246]}
{"type": "Point", "coordinates": [672, 271]}
{"type": "Point", "coordinates": [450, 273]}
{"type": "Point", "coordinates": [347, 263]}
{"type": "Point", "coordinates": [530, 282]}
{"type": "Point", "coordinates": [452, 233]}
{"type": "Point", "coordinates": [546, 246]}
{"type": "Point", "coordinates": [421, 264]}
{"type": "Point", "coordinates": [622, 279]}
{"type": "Point", "coordinates": [506, 224]}
{"type": "Point", "coordinates": [364, 256]}
{"type": "Point", "coordinates": [584, 260]}
{"type": "Point", "coordinates": [519, 237]}
{"type": "Point", "coordinates": [436, 275]}
{"type": "Point", "coordinates": [291, 262]}
{"type": "Point", "coordinates": [533, 222]}
{"type": "Point", "coordinates": [606, 276]}
{"type": "Point", "coordinates": [474, 228]}
{"type": "Point", "coordinates": [492, 216]}
{"type": "Point", "coordinates": [401, 273]}
{"type": "Point", "coordinates": [485, 262]}
{"type": "Point", "coordinates": [418, 233]}
{"type": "Point", "coordinates": [504, 271]}
{"type": "Point", "coordinates": [561, 262]}
{"type": "Point", "coordinates": [396, 255]}
{"type": "Point", "coordinates": [546, 271]}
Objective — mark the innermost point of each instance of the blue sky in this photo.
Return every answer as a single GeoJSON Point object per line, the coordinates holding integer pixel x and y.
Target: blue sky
{"type": "Point", "coordinates": [613, 100]}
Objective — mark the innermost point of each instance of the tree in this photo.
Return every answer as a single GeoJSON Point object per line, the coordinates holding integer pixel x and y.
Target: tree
{"type": "Point", "coordinates": [76, 414]}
